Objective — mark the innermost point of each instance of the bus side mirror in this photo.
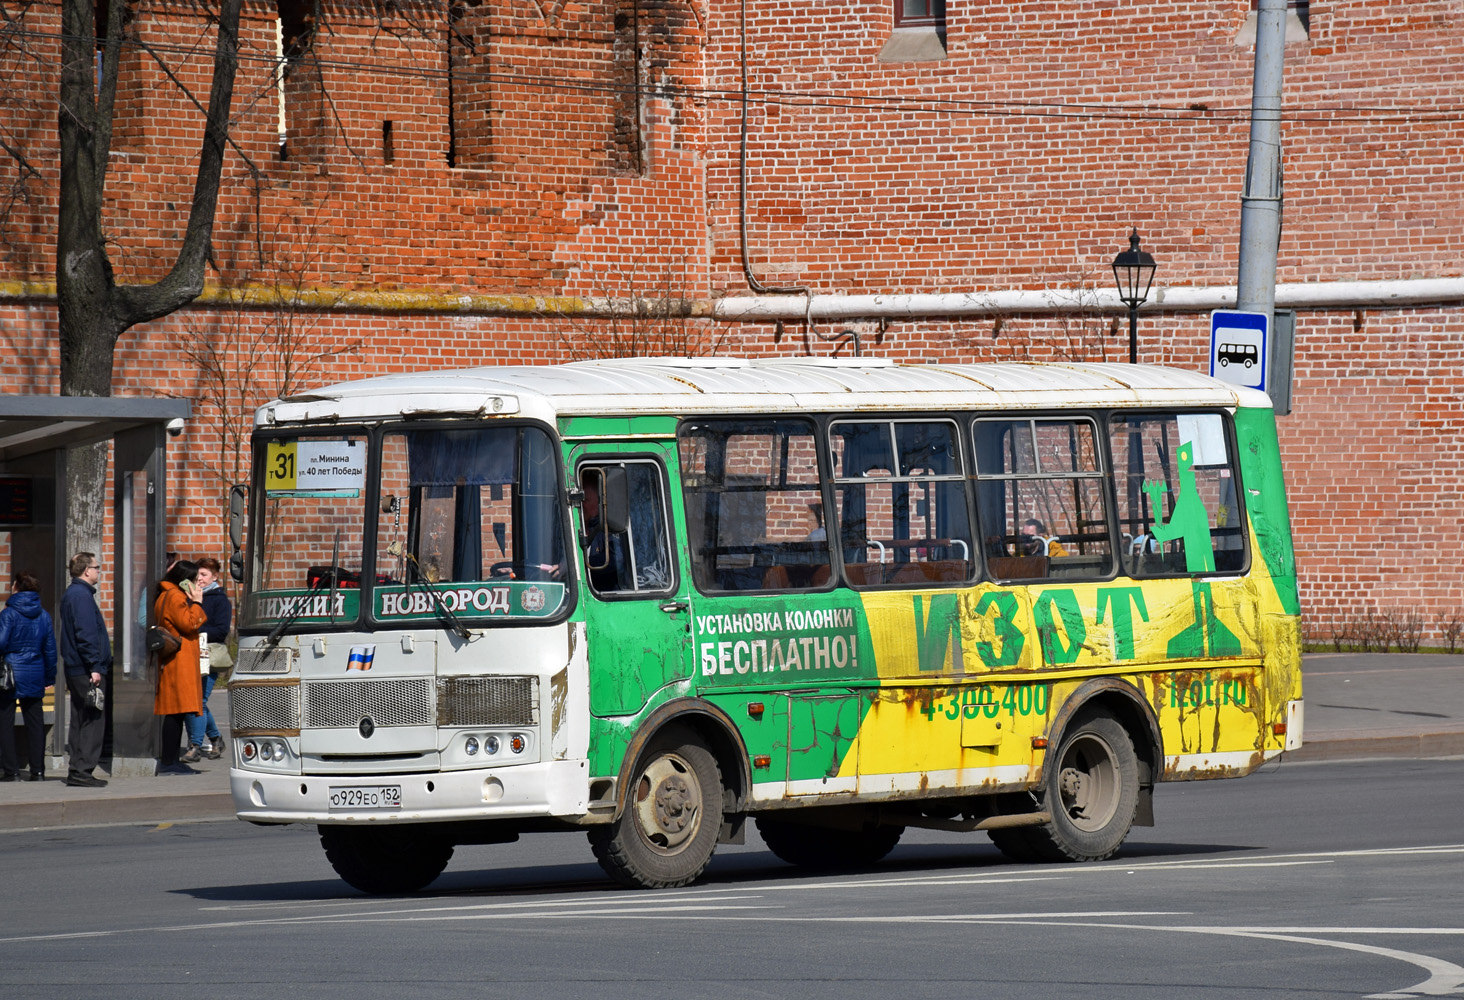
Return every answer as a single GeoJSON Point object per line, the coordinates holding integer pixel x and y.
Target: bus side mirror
{"type": "Point", "coordinates": [615, 499]}
{"type": "Point", "coordinates": [238, 506]}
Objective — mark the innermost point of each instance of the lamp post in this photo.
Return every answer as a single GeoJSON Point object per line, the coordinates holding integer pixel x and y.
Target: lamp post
{"type": "Point", "coordinates": [1133, 269]}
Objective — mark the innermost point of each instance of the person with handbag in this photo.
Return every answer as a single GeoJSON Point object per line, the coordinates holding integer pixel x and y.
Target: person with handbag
{"type": "Point", "coordinates": [87, 653]}
{"type": "Point", "coordinates": [28, 645]}
{"type": "Point", "coordinates": [179, 615]}
{"type": "Point", "coordinates": [204, 738]}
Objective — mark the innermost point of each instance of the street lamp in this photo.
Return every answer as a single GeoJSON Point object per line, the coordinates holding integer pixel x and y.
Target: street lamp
{"type": "Point", "coordinates": [1133, 269]}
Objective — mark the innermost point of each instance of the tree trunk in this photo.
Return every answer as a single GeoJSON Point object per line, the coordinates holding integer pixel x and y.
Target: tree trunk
{"type": "Point", "coordinates": [93, 310]}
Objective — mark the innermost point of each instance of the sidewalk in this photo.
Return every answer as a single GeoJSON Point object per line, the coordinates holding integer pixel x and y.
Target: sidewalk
{"type": "Point", "coordinates": [1357, 706]}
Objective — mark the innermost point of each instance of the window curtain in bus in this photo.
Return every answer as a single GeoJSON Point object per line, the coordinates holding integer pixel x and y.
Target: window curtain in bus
{"type": "Point", "coordinates": [542, 541]}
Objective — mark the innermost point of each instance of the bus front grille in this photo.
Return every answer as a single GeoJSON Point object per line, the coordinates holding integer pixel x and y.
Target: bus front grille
{"type": "Point", "coordinates": [487, 701]}
{"type": "Point", "coordinates": [263, 660]}
{"type": "Point", "coordinates": [343, 704]}
{"type": "Point", "coordinates": [272, 708]}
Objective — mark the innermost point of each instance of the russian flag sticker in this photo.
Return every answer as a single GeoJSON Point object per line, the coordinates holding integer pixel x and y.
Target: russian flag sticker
{"type": "Point", "coordinates": [361, 657]}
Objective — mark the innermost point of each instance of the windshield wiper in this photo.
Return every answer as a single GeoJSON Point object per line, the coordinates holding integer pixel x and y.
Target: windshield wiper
{"type": "Point", "coordinates": [335, 572]}
{"type": "Point", "coordinates": [442, 610]}
{"type": "Point", "coordinates": [273, 639]}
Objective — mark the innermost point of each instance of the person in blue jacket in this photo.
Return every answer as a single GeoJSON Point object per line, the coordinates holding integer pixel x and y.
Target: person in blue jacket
{"type": "Point", "coordinates": [28, 643]}
{"type": "Point", "coordinates": [204, 738]}
{"type": "Point", "coordinates": [87, 653]}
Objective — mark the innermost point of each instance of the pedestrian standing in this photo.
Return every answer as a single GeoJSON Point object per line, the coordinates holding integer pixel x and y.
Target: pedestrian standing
{"type": "Point", "coordinates": [28, 643]}
{"type": "Point", "coordinates": [204, 738]}
{"type": "Point", "coordinates": [180, 692]}
{"type": "Point", "coordinates": [87, 654]}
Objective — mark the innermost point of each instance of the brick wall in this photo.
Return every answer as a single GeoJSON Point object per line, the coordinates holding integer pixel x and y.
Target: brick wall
{"type": "Point", "coordinates": [559, 147]}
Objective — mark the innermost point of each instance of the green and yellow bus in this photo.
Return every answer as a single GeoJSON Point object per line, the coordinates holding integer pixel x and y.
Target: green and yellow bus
{"type": "Point", "coordinates": [653, 598]}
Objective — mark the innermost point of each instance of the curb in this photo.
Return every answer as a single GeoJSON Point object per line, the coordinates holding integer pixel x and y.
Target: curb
{"type": "Point", "coordinates": [141, 809]}
{"type": "Point", "coordinates": [1414, 745]}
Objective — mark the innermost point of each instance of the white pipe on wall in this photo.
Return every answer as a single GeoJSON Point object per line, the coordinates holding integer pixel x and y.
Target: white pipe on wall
{"type": "Point", "coordinates": [1314, 296]}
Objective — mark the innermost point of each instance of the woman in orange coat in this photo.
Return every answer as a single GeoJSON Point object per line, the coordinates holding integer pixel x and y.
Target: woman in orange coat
{"type": "Point", "coordinates": [180, 686]}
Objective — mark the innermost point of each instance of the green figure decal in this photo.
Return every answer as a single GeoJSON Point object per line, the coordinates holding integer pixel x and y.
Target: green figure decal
{"type": "Point", "coordinates": [1208, 636]}
{"type": "Point", "coordinates": [1188, 521]}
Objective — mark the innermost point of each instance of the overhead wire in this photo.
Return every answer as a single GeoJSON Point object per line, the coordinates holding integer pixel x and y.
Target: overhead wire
{"type": "Point", "coordinates": [1190, 112]}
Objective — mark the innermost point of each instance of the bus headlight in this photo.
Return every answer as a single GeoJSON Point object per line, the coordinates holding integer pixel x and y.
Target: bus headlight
{"type": "Point", "coordinates": [471, 746]}
{"type": "Point", "coordinates": [491, 745]}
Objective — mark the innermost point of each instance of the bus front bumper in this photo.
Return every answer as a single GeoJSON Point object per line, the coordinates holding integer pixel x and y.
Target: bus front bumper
{"type": "Point", "coordinates": [552, 788]}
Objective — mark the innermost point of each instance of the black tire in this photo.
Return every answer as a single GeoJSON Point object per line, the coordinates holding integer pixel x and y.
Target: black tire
{"type": "Point", "coordinates": [385, 861]}
{"type": "Point", "coordinates": [822, 848]}
{"type": "Point", "coordinates": [1015, 843]}
{"type": "Point", "coordinates": [1091, 787]}
{"type": "Point", "coordinates": [667, 832]}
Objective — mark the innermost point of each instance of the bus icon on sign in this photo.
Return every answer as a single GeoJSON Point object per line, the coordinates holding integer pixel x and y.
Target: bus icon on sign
{"type": "Point", "coordinates": [1238, 347]}
{"type": "Point", "coordinates": [1236, 354]}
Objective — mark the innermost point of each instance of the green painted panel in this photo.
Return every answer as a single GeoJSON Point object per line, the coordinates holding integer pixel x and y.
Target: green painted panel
{"type": "Point", "coordinates": [821, 731]}
{"type": "Point", "coordinates": [1260, 466]}
{"type": "Point", "coordinates": [612, 427]}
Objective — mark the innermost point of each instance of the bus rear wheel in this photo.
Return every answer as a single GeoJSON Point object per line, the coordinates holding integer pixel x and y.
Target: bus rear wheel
{"type": "Point", "coordinates": [1015, 844]}
{"type": "Point", "coordinates": [385, 861]}
{"type": "Point", "coordinates": [667, 832]}
{"type": "Point", "coordinates": [823, 848]}
{"type": "Point", "coordinates": [1091, 789]}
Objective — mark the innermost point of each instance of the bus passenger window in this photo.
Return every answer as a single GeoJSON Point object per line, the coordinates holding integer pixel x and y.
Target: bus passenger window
{"type": "Point", "coordinates": [900, 489]}
{"type": "Point", "coordinates": [634, 559]}
{"type": "Point", "coordinates": [1039, 496]}
{"type": "Point", "coordinates": [754, 508]}
{"type": "Point", "coordinates": [1178, 506]}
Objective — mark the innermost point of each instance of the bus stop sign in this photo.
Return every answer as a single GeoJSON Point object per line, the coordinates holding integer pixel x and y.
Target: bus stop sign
{"type": "Point", "coordinates": [1239, 347]}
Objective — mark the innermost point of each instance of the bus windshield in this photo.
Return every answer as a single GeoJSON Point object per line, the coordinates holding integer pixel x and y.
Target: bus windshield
{"type": "Point", "coordinates": [311, 529]}
{"type": "Point", "coordinates": [471, 515]}
{"type": "Point", "coordinates": [468, 526]}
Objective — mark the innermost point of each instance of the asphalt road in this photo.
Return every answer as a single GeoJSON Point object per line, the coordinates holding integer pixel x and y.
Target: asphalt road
{"type": "Point", "coordinates": [1305, 880]}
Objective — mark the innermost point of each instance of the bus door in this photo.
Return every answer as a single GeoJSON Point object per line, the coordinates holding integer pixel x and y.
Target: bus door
{"type": "Point", "coordinates": [637, 603]}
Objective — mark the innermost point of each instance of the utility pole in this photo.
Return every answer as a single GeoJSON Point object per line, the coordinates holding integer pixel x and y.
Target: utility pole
{"type": "Point", "coordinates": [1260, 199]}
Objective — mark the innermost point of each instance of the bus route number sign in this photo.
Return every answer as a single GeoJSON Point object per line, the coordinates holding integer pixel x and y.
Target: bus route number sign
{"type": "Point", "coordinates": [315, 468]}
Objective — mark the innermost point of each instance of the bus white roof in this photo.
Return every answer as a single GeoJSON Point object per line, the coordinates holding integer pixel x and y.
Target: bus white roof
{"type": "Point", "coordinates": [690, 386]}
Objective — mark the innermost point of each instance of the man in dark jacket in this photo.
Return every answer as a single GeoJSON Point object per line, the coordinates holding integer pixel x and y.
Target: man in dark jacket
{"type": "Point", "coordinates": [87, 653]}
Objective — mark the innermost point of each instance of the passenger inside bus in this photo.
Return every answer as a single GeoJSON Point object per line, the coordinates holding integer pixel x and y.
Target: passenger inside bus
{"type": "Point", "coordinates": [1036, 541]}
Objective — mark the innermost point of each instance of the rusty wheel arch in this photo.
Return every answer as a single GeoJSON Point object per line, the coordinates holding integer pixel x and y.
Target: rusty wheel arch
{"type": "Point", "coordinates": [715, 728]}
{"type": "Point", "coordinates": [1127, 704]}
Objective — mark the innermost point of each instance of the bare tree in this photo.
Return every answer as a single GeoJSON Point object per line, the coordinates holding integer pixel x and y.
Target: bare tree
{"type": "Point", "coordinates": [94, 310]}
{"type": "Point", "coordinates": [646, 311]}
{"type": "Point", "coordinates": [273, 341]}
{"type": "Point", "coordinates": [1078, 331]}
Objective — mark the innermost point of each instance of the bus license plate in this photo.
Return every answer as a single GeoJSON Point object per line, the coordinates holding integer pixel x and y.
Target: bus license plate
{"type": "Point", "coordinates": [367, 797]}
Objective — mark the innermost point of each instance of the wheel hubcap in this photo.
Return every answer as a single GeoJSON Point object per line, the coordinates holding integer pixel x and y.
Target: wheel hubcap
{"type": "Point", "coordinates": [668, 803]}
{"type": "Point", "coordinates": [1088, 782]}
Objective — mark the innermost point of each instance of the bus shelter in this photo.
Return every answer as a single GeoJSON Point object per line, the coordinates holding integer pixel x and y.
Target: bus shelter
{"type": "Point", "coordinates": [37, 435]}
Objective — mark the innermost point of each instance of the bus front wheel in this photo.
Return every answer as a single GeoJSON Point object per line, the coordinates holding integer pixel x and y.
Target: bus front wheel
{"type": "Point", "coordinates": [1091, 789]}
{"type": "Point", "coordinates": [827, 849]}
{"type": "Point", "coordinates": [668, 829]}
{"type": "Point", "coordinates": [385, 861]}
